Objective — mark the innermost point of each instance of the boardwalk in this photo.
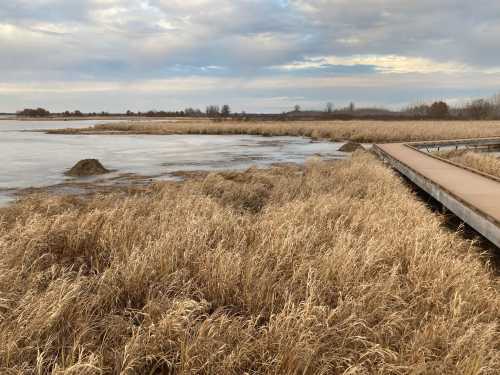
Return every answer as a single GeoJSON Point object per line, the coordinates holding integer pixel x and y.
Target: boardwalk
{"type": "Point", "coordinates": [473, 197]}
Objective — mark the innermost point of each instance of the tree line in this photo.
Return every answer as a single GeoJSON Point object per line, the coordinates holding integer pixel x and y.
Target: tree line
{"type": "Point", "coordinates": [210, 111]}
{"type": "Point", "coordinates": [38, 112]}
{"type": "Point", "coordinates": [480, 109]}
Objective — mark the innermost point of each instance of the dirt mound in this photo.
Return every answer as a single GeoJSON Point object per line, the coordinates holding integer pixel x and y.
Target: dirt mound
{"type": "Point", "coordinates": [87, 167]}
{"type": "Point", "coordinates": [351, 147]}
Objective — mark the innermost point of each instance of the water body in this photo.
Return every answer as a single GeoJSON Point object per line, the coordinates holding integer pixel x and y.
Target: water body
{"type": "Point", "coordinates": [36, 159]}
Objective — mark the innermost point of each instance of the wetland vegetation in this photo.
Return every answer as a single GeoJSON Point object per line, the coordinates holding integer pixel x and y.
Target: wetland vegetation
{"type": "Point", "coordinates": [357, 131]}
{"type": "Point", "coordinates": [333, 267]}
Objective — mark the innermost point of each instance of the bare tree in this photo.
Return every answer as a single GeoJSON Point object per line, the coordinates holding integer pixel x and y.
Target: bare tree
{"type": "Point", "coordinates": [496, 106]}
{"type": "Point", "coordinates": [479, 109]}
{"type": "Point", "coordinates": [419, 110]}
{"type": "Point", "coordinates": [213, 111]}
{"type": "Point", "coordinates": [296, 108]}
{"type": "Point", "coordinates": [226, 110]}
{"type": "Point", "coordinates": [192, 112]}
{"type": "Point", "coordinates": [329, 107]}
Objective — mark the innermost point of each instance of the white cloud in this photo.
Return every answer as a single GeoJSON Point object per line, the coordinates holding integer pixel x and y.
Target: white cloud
{"type": "Point", "coordinates": [381, 63]}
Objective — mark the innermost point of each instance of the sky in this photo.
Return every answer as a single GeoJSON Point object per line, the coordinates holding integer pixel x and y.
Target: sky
{"type": "Point", "coordinates": [255, 55]}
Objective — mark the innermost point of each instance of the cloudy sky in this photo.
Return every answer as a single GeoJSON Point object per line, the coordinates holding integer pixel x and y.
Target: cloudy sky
{"type": "Point", "coordinates": [256, 55]}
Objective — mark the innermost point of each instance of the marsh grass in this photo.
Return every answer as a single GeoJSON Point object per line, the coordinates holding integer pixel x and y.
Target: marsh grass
{"type": "Point", "coordinates": [358, 131]}
{"type": "Point", "coordinates": [326, 269]}
{"type": "Point", "coordinates": [486, 163]}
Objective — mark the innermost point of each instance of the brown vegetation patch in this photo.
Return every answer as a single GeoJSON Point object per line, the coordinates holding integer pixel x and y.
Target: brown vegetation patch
{"type": "Point", "coordinates": [247, 191]}
{"type": "Point", "coordinates": [191, 175]}
{"type": "Point", "coordinates": [351, 147]}
{"type": "Point", "coordinates": [356, 131]}
{"type": "Point", "coordinates": [330, 268]}
{"type": "Point", "coordinates": [86, 168]}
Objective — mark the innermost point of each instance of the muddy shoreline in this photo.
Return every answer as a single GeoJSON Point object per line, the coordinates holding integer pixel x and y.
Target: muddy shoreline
{"type": "Point", "coordinates": [86, 187]}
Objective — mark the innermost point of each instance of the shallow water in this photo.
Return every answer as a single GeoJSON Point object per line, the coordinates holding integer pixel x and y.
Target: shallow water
{"type": "Point", "coordinates": [36, 159]}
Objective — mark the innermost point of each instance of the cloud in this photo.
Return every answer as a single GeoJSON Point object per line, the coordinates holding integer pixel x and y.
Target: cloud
{"type": "Point", "coordinates": [447, 30]}
{"type": "Point", "coordinates": [103, 46]}
{"type": "Point", "coordinates": [382, 64]}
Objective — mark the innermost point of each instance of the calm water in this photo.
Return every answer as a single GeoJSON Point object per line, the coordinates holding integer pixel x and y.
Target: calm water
{"type": "Point", "coordinates": [36, 159]}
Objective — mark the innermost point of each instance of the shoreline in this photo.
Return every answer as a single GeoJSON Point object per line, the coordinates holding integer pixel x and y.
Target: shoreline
{"type": "Point", "coordinates": [127, 182]}
{"type": "Point", "coordinates": [337, 131]}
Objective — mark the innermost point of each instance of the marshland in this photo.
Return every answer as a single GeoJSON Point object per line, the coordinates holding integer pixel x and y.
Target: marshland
{"type": "Point", "coordinates": [327, 266]}
{"type": "Point", "coordinates": [227, 187]}
{"type": "Point", "coordinates": [362, 131]}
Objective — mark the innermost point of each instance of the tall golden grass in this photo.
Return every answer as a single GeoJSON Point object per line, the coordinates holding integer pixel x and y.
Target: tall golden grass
{"type": "Point", "coordinates": [485, 163]}
{"type": "Point", "coordinates": [359, 131]}
{"type": "Point", "coordinates": [322, 270]}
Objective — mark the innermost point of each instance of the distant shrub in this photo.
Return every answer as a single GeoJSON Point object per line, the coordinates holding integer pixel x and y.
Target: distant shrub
{"type": "Point", "coordinates": [39, 112]}
{"type": "Point", "coordinates": [439, 110]}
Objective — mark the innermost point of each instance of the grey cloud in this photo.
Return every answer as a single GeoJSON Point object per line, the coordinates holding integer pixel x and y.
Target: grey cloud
{"type": "Point", "coordinates": [253, 34]}
{"type": "Point", "coordinates": [459, 30]}
{"type": "Point", "coordinates": [130, 40]}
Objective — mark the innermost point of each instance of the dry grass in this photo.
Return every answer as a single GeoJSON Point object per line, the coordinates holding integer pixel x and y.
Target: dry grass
{"type": "Point", "coordinates": [326, 270]}
{"type": "Point", "coordinates": [358, 131]}
{"type": "Point", "coordinates": [485, 163]}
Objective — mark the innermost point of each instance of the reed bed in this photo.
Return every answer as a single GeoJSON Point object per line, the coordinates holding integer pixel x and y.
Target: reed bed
{"type": "Point", "coordinates": [326, 269]}
{"type": "Point", "coordinates": [486, 163]}
{"type": "Point", "coordinates": [358, 131]}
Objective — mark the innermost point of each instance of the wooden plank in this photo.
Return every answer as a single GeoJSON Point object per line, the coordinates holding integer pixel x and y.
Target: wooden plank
{"type": "Point", "coordinates": [475, 198]}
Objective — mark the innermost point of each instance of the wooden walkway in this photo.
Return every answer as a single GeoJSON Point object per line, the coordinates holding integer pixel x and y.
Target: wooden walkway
{"type": "Point", "coordinates": [472, 196]}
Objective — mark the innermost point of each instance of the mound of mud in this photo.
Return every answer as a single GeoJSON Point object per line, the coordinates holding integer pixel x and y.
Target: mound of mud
{"type": "Point", "coordinates": [87, 167]}
{"type": "Point", "coordinates": [351, 147]}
